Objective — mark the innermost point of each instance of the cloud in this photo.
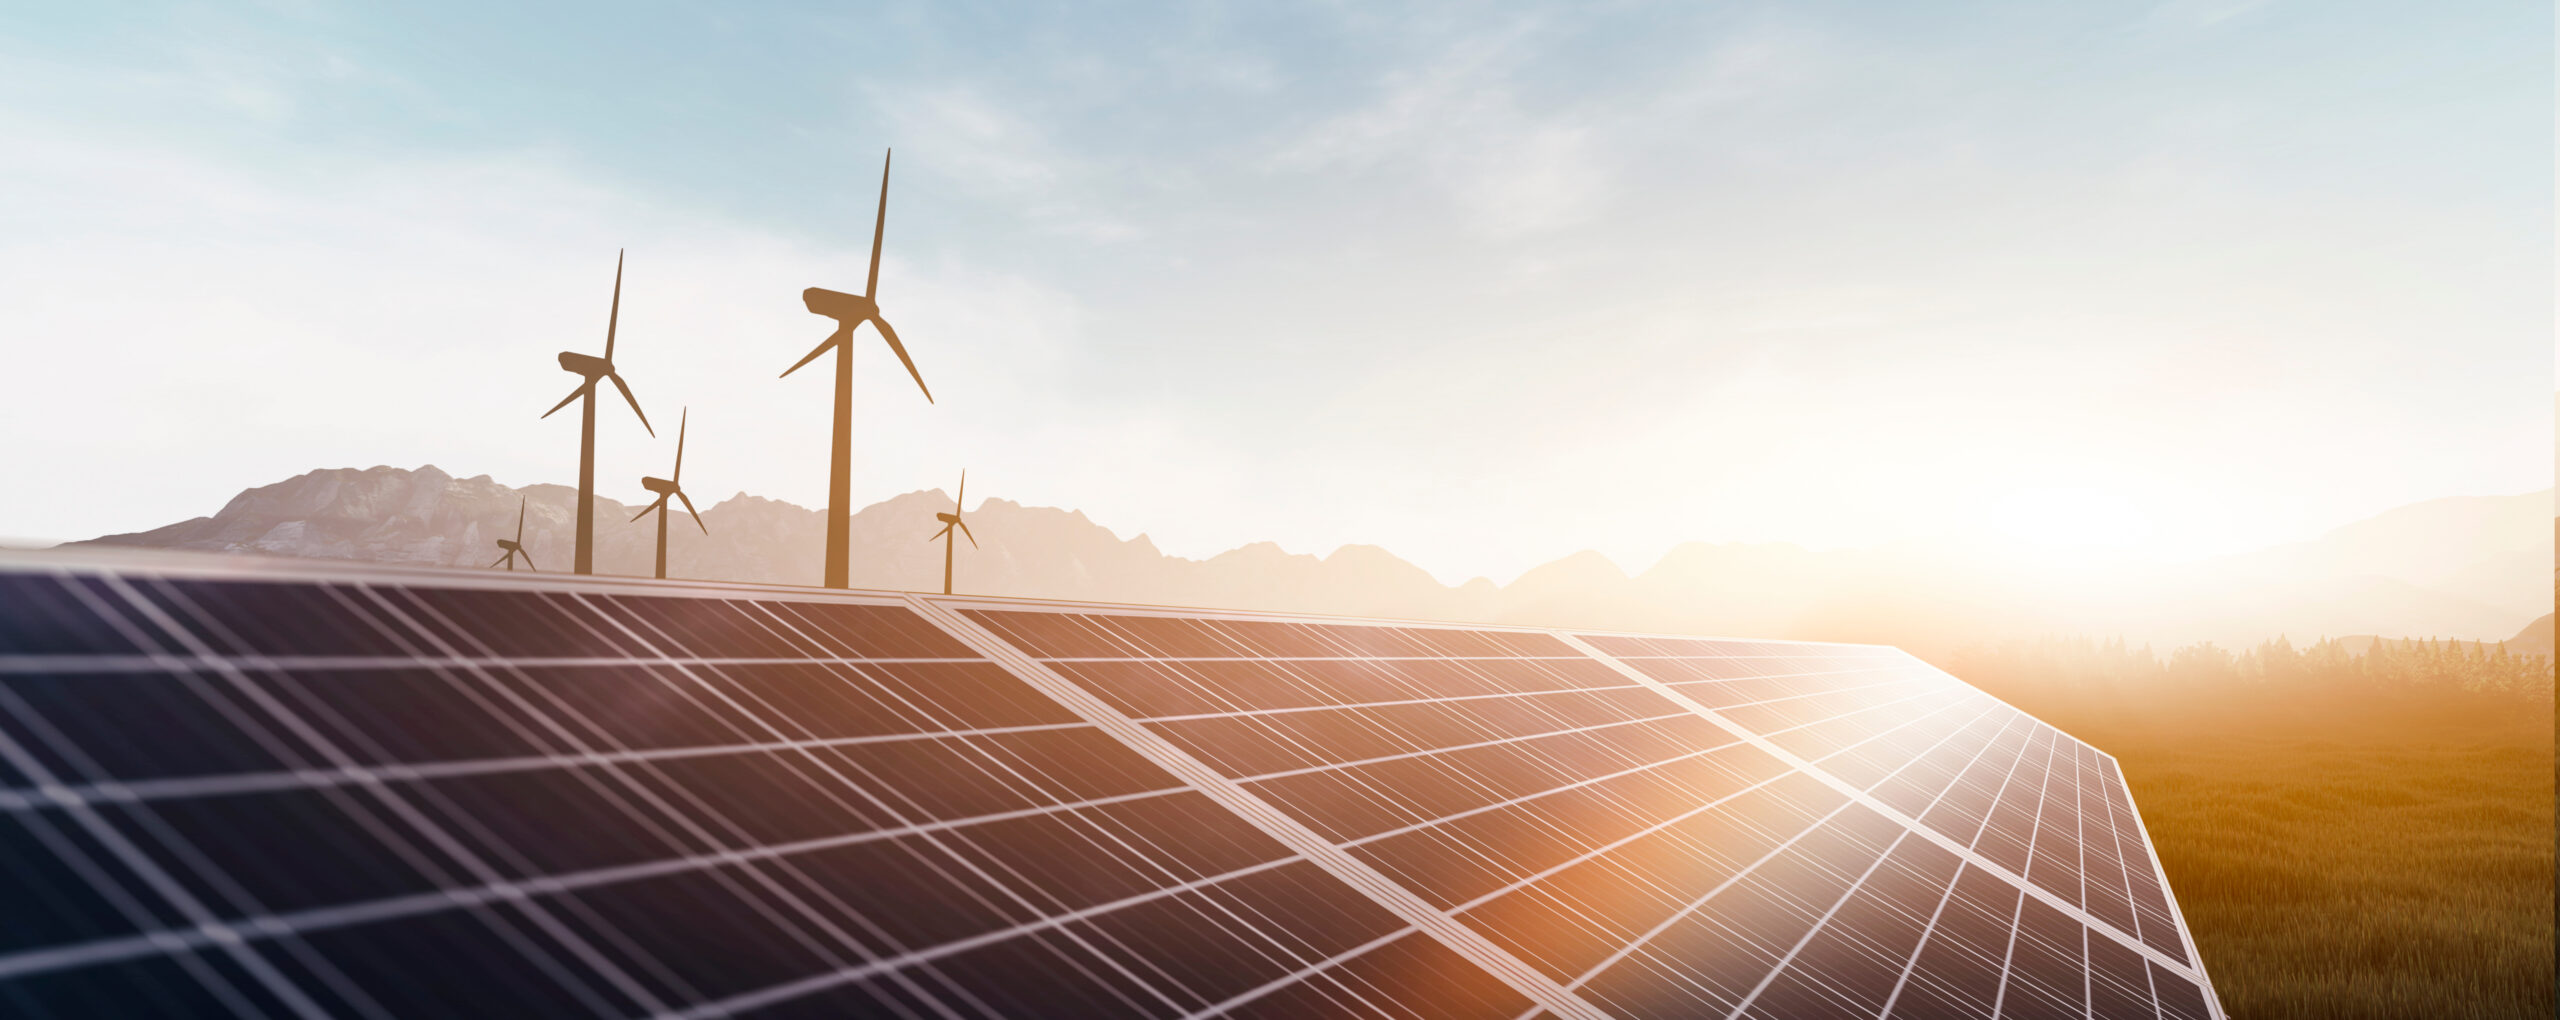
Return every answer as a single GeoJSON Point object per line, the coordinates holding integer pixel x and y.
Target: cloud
{"type": "Point", "coordinates": [1003, 155]}
{"type": "Point", "coordinates": [1458, 126]}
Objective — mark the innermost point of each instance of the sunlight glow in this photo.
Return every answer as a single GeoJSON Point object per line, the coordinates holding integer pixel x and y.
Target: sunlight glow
{"type": "Point", "coordinates": [2065, 525]}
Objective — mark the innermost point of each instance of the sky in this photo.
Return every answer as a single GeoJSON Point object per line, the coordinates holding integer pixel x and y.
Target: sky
{"type": "Point", "coordinates": [1484, 284]}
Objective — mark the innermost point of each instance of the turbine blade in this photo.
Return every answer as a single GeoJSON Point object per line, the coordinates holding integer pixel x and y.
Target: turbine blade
{"type": "Point", "coordinates": [681, 419]}
{"type": "Point", "coordinates": [900, 349]}
{"type": "Point", "coordinates": [832, 339]}
{"type": "Point", "coordinates": [946, 529]}
{"type": "Point", "coordinates": [644, 511]}
{"type": "Point", "coordinates": [615, 318]}
{"type": "Point", "coordinates": [879, 226]}
{"type": "Point", "coordinates": [635, 402]}
{"type": "Point", "coordinates": [697, 515]}
{"type": "Point", "coordinates": [961, 500]}
{"type": "Point", "coordinates": [521, 501]}
{"type": "Point", "coordinates": [493, 564]}
{"type": "Point", "coordinates": [573, 395]}
{"type": "Point", "coordinates": [973, 537]}
{"type": "Point", "coordinates": [528, 562]}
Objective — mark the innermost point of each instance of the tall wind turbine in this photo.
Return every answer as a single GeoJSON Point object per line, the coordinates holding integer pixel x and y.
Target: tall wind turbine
{"type": "Point", "coordinates": [514, 547]}
{"type": "Point", "coordinates": [850, 311]}
{"type": "Point", "coordinates": [666, 487]}
{"type": "Point", "coordinates": [949, 521]}
{"type": "Point", "coordinates": [591, 369]}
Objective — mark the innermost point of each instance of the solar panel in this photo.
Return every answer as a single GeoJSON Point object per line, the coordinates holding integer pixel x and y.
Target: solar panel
{"type": "Point", "coordinates": [241, 788]}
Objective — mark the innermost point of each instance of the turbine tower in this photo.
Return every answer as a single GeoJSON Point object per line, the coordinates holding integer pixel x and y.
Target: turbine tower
{"type": "Point", "coordinates": [850, 311]}
{"type": "Point", "coordinates": [592, 368]}
{"type": "Point", "coordinates": [949, 521]}
{"type": "Point", "coordinates": [666, 487]}
{"type": "Point", "coordinates": [514, 547]}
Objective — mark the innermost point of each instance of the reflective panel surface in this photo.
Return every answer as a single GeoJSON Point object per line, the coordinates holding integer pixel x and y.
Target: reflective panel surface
{"type": "Point", "coordinates": [341, 791]}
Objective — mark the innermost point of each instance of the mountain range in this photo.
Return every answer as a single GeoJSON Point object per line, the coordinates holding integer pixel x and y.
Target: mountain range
{"type": "Point", "coordinates": [2470, 567]}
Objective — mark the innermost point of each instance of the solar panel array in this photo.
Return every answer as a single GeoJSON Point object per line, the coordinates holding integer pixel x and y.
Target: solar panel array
{"type": "Point", "coordinates": [267, 790]}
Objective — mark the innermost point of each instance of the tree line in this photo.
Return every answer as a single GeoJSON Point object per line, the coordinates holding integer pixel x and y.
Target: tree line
{"type": "Point", "coordinates": [2094, 672]}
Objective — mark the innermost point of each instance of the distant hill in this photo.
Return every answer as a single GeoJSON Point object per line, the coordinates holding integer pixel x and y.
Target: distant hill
{"type": "Point", "coordinates": [2534, 639]}
{"type": "Point", "coordinates": [2448, 568]}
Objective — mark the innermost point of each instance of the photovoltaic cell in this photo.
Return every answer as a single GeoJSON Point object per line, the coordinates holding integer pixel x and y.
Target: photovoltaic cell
{"type": "Point", "coordinates": [304, 791]}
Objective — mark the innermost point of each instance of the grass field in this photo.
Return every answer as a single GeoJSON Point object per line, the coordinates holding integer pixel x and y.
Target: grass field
{"type": "Point", "coordinates": [2351, 859]}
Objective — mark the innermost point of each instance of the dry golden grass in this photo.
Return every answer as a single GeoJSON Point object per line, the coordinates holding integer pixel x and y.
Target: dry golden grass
{"type": "Point", "coordinates": [2351, 857]}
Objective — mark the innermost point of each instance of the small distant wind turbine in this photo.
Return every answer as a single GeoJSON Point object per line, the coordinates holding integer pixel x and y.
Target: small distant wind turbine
{"type": "Point", "coordinates": [666, 487]}
{"type": "Point", "coordinates": [949, 521]}
{"type": "Point", "coordinates": [593, 368]}
{"type": "Point", "coordinates": [515, 546]}
{"type": "Point", "coordinates": [850, 311]}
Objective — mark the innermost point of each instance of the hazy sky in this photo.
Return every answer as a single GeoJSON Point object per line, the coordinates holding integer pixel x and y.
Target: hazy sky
{"type": "Point", "coordinates": [1483, 284]}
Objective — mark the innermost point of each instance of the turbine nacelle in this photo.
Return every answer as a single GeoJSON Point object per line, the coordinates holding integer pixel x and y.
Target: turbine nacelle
{"type": "Point", "coordinates": [660, 486]}
{"type": "Point", "coordinates": [947, 518]}
{"type": "Point", "coordinates": [509, 545]}
{"type": "Point", "coordinates": [849, 309]}
{"type": "Point", "coordinates": [587, 365]}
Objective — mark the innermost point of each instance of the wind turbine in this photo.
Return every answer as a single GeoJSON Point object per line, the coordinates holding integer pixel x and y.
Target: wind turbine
{"type": "Point", "coordinates": [593, 368]}
{"type": "Point", "coordinates": [850, 311]}
{"type": "Point", "coordinates": [666, 487]}
{"type": "Point", "coordinates": [515, 546]}
{"type": "Point", "coordinates": [949, 521]}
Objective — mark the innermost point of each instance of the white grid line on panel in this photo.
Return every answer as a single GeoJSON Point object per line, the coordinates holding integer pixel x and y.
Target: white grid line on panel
{"type": "Point", "coordinates": [1956, 774]}
{"type": "Point", "coordinates": [1819, 924]}
{"type": "Point", "coordinates": [1297, 976]}
{"type": "Point", "coordinates": [1482, 853]}
{"type": "Point", "coordinates": [1474, 947]}
{"type": "Point", "coordinates": [1296, 709]}
{"type": "Point", "coordinates": [617, 788]}
{"type": "Point", "coordinates": [161, 882]}
{"type": "Point", "coordinates": [1928, 932]}
{"type": "Point", "coordinates": [1949, 687]}
{"type": "Point", "coordinates": [12, 665]}
{"type": "Point", "coordinates": [1525, 798]}
{"type": "Point", "coordinates": [2009, 956]}
{"type": "Point", "coordinates": [1637, 944]}
{"type": "Point", "coordinates": [2177, 915]}
{"type": "Point", "coordinates": [226, 567]}
{"type": "Point", "coordinates": [338, 915]}
{"type": "Point", "coordinates": [1286, 663]}
{"type": "Point", "coordinates": [980, 762]}
{"type": "Point", "coordinates": [1554, 869]}
{"type": "Point", "coordinates": [1099, 626]}
{"type": "Point", "coordinates": [1428, 751]}
{"type": "Point", "coordinates": [541, 715]}
{"type": "Point", "coordinates": [873, 792]}
{"type": "Point", "coordinates": [436, 834]}
{"type": "Point", "coordinates": [138, 790]}
{"type": "Point", "coordinates": [276, 723]}
{"type": "Point", "coordinates": [1966, 852]}
{"type": "Point", "coordinates": [772, 994]}
{"type": "Point", "coordinates": [123, 901]}
{"type": "Point", "coordinates": [1737, 876]}
{"type": "Point", "coordinates": [1877, 707]}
